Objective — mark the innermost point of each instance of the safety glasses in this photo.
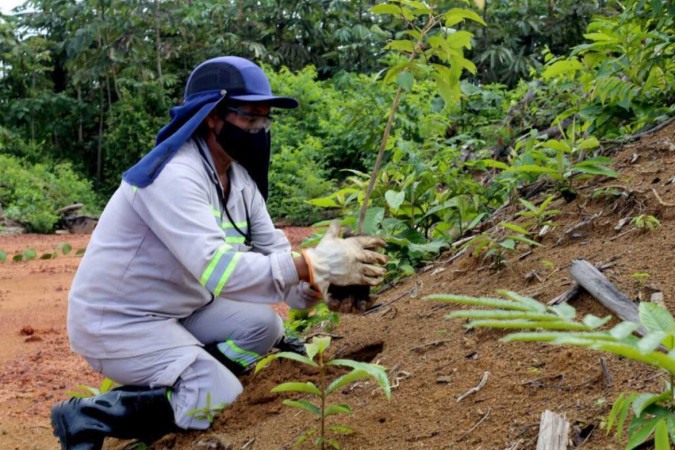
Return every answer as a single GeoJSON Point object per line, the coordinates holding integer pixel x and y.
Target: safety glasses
{"type": "Point", "coordinates": [253, 122]}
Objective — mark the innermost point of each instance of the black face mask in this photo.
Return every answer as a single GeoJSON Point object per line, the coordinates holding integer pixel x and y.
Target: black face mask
{"type": "Point", "coordinates": [251, 150]}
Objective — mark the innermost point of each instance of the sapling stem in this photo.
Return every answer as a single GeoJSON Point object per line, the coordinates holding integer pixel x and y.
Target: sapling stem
{"type": "Point", "coordinates": [390, 122]}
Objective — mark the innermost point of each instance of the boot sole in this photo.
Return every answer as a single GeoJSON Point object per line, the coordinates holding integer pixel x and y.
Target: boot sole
{"type": "Point", "coordinates": [58, 426]}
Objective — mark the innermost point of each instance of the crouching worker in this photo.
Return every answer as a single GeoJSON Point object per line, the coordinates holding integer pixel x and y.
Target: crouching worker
{"type": "Point", "coordinates": [171, 298]}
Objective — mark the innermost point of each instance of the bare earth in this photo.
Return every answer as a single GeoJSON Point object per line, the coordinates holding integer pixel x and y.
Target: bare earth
{"type": "Point", "coordinates": [432, 361]}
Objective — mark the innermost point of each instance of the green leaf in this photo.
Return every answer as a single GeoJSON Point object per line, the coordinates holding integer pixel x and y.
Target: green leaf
{"type": "Point", "coordinates": [373, 220]}
{"type": "Point", "coordinates": [456, 15]}
{"type": "Point", "coordinates": [589, 143]}
{"type": "Point", "coordinates": [514, 227]}
{"type": "Point", "coordinates": [594, 321]}
{"type": "Point", "coordinates": [401, 45]}
{"type": "Point", "coordinates": [307, 387]}
{"type": "Point", "coordinates": [526, 324]}
{"type": "Point", "coordinates": [304, 436]}
{"type": "Point", "coordinates": [106, 385]}
{"type": "Point", "coordinates": [394, 199]}
{"type": "Point", "coordinates": [405, 80]}
{"type": "Point", "coordinates": [640, 435]}
{"type": "Point", "coordinates": [560, 146]}
{"type": "Point", "coordinates": [530, 168]}
{"type": "Point", "coordinates": [64, 247]}
{"type": "Point", "coordinates": [570, 66]}
{"type": "Point", "coordinates": [354, 375]}
{"type": "Point", "coordinates": [3, 256]}
{"type": "Point", "coordinates": [565, 311]}
{"type": "Point", "coordinates": [623, 330]}
{"type": "Point", "coordinates": [661, 440]}
{"type": "Point", "coordinates": [656, 318]}
{"type": "Point", "coordinates": [323, 202]}
{"type": "Point", "coordinates": [643, 401]}
{"type": "Point", "coordinates": [508, 244]}
{"type": "Point", "coordinates": [29, 254]}
{"type": "Point", "coordinates": [303, 404]}
{"type": "Point", "coordinates": [80, 251]}
{"type": "Point", "coordinates": [499, 315]}
{"type": "Point", "coordinates": [479, 301]}
{"type": "Point", "coordinates": [340, 429]}
{"type": "Point", "coordinates": [376, 371]}
{"type": "Point", "coordinates": [51, 255]}
{"type": "Point", "coordinates": [387, 9]}
{"type": "Point", "coordinates": [651, 341]}
{"type": "Point", "coordinates": [333, 410]}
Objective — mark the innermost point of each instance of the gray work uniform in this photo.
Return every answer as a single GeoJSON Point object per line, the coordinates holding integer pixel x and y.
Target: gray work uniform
{"type": "Point", "coordinates": [166, 271]}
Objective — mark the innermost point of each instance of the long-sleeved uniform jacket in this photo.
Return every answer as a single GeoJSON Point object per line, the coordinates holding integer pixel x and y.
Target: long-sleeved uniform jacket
{"type": "Point", "coordinates": [161, 252]}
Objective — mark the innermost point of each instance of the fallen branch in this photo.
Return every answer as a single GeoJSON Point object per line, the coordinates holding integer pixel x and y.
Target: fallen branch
{"type": "Point", "coordinates": [573, 291]}
{"type": "Point", "coordinates": [473, 390]}
{"type": "Point", "coordinates": [605, 292]}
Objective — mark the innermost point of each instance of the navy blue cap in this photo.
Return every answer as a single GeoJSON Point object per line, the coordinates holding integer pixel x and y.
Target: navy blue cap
{"type": "Point", "coordinates": [225, 77]}
{"type": "Point", "coordinates": [241, 80]}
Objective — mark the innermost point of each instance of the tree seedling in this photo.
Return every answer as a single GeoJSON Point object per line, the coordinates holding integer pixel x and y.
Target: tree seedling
{"type": "Point", "coordinates": [88, 391]}
{"type": "Point", "coordinates": [316, 358]}
{"type": "Point", "coordinates": [653, 414]}
{"type": "Point", "coordinates": [645, 222]}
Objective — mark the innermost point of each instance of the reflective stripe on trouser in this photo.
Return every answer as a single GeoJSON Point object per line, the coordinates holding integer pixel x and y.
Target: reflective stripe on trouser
{"type": "Point", "coordinates": [199, 381]}
{"type": "Point", "coordinates": [243, 331]}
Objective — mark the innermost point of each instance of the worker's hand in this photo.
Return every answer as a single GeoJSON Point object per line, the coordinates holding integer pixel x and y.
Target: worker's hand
{"type": "Point", "coordinates": [345, 262]}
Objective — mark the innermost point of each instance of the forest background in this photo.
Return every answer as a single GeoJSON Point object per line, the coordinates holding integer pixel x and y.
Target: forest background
{"type": "Point", "coordinates": [545, 87]}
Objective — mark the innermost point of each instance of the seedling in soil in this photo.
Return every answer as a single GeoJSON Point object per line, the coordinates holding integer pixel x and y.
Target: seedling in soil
{"type": "Point", "coordinates": [208, 412]}
{"type": "Point", "coordinates": [653, 413]}
{"type": "Point", "coordinates": [26, 255]}
{"type": "Point", "coordinates": [88, 391]}
{"type": "Point", "coordinates": [316, 357]}
{"type": "Point", "coordinates": [645, 222]}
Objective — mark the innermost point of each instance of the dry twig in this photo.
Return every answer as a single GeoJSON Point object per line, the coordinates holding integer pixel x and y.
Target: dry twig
{"type": "Point", "coordinates": [473, 390]}
{"type": "Point", "coordinates": [485, 416]}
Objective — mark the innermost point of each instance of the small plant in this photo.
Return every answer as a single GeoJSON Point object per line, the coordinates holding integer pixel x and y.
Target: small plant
{"type": "Point", "coordinates": [316, 358]}
{"type": "Point", "coordinates": [208, 411]}
{"type": "Point", "coordinates": [300, 320]}
{"type": "Point", "coordinates": [88, 391]}
{"type": "Point", "coordinates": [27, 255]}
{"type": "Point", "coordinates": [495, 249]}
{"type": "Point", "coordinates": [653, 414]}
{"type": "Point", "coordinates": [3, 256]}
{"type": "Point", "coordinates": [538, 216]}
{"type": "Point", "coordinates": [645, 222]}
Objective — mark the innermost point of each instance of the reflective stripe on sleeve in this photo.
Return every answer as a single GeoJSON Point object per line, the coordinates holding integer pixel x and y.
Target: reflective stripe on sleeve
{"type": "Point", "coordinates": [219, 269]}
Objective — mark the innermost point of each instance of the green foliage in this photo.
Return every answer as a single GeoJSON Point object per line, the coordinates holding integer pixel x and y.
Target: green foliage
{"type": "Point", "coordinates": [208, 411]}
{"type": "Point", "coordinates": [317, 358]}
{"type": "Point", "coordinates": [300, 320]}
{"type": "Point", "coordinates": [495, 248]}
{"type": "Point", "coordinates": [537, 216]}
{"type": "Point", "coordinates": [32, 194]}
{"type": "Point", "coordinates": [88, 391]}
{"type": "Point", "coordinates": [653, 414]}
{"type": "Point", "coordinates": [645, 222]}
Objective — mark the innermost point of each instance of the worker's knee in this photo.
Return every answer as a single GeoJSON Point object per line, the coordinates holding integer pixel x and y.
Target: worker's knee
{"type": "Point", "coordinates": [203, 390]}
{"type": "Point", "coordinates": [267, 330]}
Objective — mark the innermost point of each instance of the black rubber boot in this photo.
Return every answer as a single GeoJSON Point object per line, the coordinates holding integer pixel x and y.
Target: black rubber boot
{"type": "Point", "coordinates": [127, 412]}
{"type": "Point", "coordinates": [234, 367]}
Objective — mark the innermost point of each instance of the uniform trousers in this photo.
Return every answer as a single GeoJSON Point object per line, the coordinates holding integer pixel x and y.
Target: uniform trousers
{"type": "Point", "coordinates": [244, 332]}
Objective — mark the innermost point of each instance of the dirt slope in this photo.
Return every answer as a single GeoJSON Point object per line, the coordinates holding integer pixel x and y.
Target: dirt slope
{"type": "Point", "coordinates": [432, 361]}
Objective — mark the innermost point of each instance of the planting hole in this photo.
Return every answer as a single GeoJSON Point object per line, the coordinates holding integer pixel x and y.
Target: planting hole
{"type": "Point", "coordinates": [366, 353]}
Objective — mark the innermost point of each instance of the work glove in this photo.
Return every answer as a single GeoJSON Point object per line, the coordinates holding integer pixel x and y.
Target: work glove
{"type": "Point", "coordinates": [345, 263]}
{"type": "Point", "coordinates": [303, 296]}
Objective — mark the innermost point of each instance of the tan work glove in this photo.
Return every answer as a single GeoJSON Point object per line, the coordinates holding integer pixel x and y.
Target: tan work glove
{"type": "Point", "coordinates": [344, 262]}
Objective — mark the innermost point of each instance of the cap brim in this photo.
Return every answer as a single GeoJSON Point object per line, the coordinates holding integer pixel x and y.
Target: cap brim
{"type": "Point", "coordinates": [277, 102]}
